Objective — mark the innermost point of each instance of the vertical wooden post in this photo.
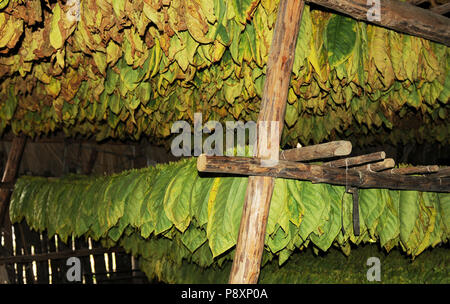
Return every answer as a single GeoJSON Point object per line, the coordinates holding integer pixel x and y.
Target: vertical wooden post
{"type": "Point", "coordinates": [9, 174]}
{"type": "Point", "coordinates": [11, 169]}
{"type": "Point", "coordinates": [252, 231]}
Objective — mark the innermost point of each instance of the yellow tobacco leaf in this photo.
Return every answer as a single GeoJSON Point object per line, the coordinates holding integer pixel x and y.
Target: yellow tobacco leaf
{"type": "Point", "coordinates": [56, 39]}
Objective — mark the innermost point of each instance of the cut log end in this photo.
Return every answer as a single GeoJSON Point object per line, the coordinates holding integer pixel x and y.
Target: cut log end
{"type": "Point", "coordinates": [201, 163]}
{"type": "Point", "coordinates": [345, 148]}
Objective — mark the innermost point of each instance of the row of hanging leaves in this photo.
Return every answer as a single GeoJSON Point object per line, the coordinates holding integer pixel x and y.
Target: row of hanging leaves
{"type": "Point", "coordinates": [306, 268]}
{"type": "Point", "coordinates": [125, 68]}
{"type": "Point", "coordinates": [170, 213]}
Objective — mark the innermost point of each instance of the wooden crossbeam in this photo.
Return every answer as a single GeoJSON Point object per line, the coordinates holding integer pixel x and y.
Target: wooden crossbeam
{"type": "Point", "coordinates": [320, 151]}
{"type": "Point", "coordinates": [321, 174]}
{"type": "Point", "coordinates": [399, 16]}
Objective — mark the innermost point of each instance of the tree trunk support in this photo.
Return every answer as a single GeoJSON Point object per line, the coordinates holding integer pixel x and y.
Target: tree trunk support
{"type": "Point", "coordinates": [252, 231]}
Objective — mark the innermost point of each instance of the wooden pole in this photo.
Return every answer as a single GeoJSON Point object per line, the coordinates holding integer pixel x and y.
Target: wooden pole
{"type": "Point", "coordinates": [326, 150]}
{"type": "Point", "coordinates": [11, 169]}
{"type": "Point", "coordinates": [399, 16]}
{"type": "Point", "coordinates": [252, 231]}
{"type": "Point", "coordinates": [321, 174]}
{"type": "Point", "coordinates": [356, 160]}
{"type": "Point", "coordinates": [385, 164]}
{"type": "Point", "coordinates": [444, 172]}
{"type": "Point", "coordinates": [415, 170]}
{"type": "Point", "coordinates": [9, 175]}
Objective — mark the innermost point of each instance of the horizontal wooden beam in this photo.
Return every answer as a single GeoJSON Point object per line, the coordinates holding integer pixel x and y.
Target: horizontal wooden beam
{"type": "Point", "coordinates": [320, 174]}
{"type": "Point", "coordinates": [415, 170]}
{"type": "Point", "coordinates": [356, 160]}
{"type": "Point", "coordinates": [320, 151]}
{"type": "Point", "coordinates": [57, 255]}
{"type": "Point", "coordinates": [399, 16]}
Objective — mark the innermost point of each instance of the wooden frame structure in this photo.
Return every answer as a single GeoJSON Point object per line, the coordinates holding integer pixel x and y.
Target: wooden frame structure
{"type": "Point", "coordinates": [396, 15]}
{"type": "Point", "coordinates": [353, 172]}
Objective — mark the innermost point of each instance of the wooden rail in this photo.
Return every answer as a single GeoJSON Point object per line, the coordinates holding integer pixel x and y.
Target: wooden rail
{"type": "Point", "coordinates": [321, 174]}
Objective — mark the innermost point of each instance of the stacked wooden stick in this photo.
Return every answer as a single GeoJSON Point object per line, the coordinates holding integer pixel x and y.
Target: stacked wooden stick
{"type": "Point", "coordinates": [372, 170]}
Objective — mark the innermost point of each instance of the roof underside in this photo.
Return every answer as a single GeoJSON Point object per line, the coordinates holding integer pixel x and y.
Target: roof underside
{"type": "Point", "coordinates": [125, 69]}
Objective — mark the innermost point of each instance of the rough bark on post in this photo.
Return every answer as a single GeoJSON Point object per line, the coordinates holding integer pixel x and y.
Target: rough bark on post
{"type": "Point", "coordinates": [9, 174]}
{"type": "Point", "coordinates": [252, 231]}
{"type": "Point", "coordinates": [11, 168]}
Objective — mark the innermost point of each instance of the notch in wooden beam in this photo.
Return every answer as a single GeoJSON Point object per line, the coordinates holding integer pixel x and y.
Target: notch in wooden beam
{"type": "Point", "coordinates": [320, 151]}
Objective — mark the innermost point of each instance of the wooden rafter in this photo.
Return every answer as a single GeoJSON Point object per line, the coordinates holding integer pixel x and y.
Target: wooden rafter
{"type": "Point", "coordinates": [399, 16]}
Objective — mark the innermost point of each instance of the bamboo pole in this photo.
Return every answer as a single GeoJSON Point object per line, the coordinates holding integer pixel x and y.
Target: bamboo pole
{"type": "Point", "coordinates": [326, 150]}
{"type": "Point", "coordinates": [321, 174]}
{"type": "Point", "coordinates": [399, 16]}
{"type": "Point", "coordinates": [252, 231]}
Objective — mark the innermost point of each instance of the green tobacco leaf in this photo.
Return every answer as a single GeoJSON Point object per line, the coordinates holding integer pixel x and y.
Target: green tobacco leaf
{"type": "Point", "coordinates": [279, 213]}
{"type": "Point", "coordinates": [3, 4]}
{"type": "Point", "coordinates": [302, 47]}
{"type": "Point", "coordinates": [332, 226]}
{"type": "Point", "coordinates": [18, 199]}
{"type": "Point", "coordinates": [279, 240]}
{"type": "Point", "coordinates": [177, 197]}
{"type": "Point", "coordinates": [310, 204]}
{"type": "Point", "coordinates": [444, 208]}
{"type": "Point", "coordinates": [134, 189]}
{"type": "Point", "coordinates": [371, 207]}
{"type": "Point", "coordinates": [224, 214]}
{"type": "Point", "coordinates": [199, 198]}
{"type": "Point", "coordinates": [408, 213]}
{"type": "Point", "coordinates": [193, 238]}
{"type": "Point", "coordinates": [389, 225]}
{"type": "Point", "coordinates": [156, 198]}
{"type": "Point", "coordinates": [340, 39]}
